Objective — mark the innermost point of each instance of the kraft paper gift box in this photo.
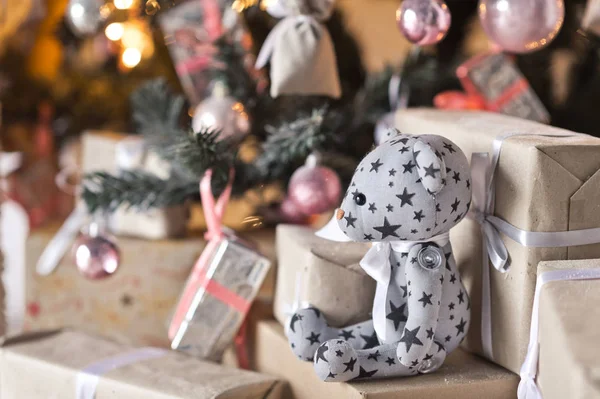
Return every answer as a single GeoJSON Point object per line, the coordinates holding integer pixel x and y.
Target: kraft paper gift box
{"type": "Point", "coordinates": [111, 152]}
{"type": "Point", "coordinates": [542, 184]}
{"type": "Point", "coordinates": [69, 364]}
{"type": "Point", "coordinates": [322, 273]}
{"type": "Point", "coordinates": [569, 332]}
{"type": "Point", "coordinates": [135, 304]}
{"type": "Point", "coordinates": [463, 376]}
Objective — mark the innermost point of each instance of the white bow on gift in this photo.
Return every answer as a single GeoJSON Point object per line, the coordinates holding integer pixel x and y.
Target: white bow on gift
{"type": "Point", "coordinates": [14, 230]}
{"type": "Point", "coordinates": [376, 263]}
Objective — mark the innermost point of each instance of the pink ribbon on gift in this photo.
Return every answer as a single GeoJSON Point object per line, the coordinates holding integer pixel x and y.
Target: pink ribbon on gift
{"type": "Point", "coordinates": [213, 213]}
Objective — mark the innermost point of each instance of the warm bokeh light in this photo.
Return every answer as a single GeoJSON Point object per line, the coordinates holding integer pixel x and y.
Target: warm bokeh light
{"type": "Point", "coordinates": [131, 57]}
{"type": "Point", "coordinates": [123, 4]}
{"type": "Point", "coordinates": [114, 31]}
{"type": "Point", "coordinates": [133, 36]}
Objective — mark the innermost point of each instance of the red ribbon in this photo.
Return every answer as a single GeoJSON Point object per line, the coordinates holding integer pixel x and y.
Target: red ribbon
{"type": "Point", "coordinates": [213, 213]}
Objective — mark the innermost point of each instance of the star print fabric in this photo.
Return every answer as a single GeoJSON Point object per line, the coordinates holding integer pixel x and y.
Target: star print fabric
{"type": "Point", "coordinates": [404, 197]}
{"type": "Point", "coordinates": [408, 188]}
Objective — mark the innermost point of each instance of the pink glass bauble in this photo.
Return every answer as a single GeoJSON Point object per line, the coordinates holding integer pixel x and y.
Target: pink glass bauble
{"type": "Point", "coordinates": [222, 113]}
{"type": "Point", "coordinates": [423, 22]}
{"type": "Point", "coordinates": [314, 189]}
{"type": "Point", "coordinates": [96, 257]}
{"type": "Point", "coordinates": [519, 26]}
{"type": "Point", "coordinates": [290, 213]}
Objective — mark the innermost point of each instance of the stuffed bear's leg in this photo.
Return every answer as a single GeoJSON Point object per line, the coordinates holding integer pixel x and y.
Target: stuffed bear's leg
{"type": "Point", "coordinates": [308, 328]}
{"type": "Point", "coordinates": [337, 361]}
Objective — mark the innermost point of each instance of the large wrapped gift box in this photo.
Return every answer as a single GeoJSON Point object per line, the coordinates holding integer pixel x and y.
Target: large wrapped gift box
{"type": "Point", "coordinates": [569, 332]}
{"type": "Point", "coordinates": [542, 184]}
{"type": "Point", "coordinates": [318, 272]}
{"type": "Point", "coordinates": [71, 364]}
{"type": "Point", "coordinates": [111, 152]}
{"type": "Point", "coordinates": [463, 375]}
{"type": "Point", "coordinates": [135, 304]}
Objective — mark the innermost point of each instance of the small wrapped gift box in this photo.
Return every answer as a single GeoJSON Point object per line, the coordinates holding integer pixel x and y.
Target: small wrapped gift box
{"type": "Point", "coordinates": [546, 180]}
{"type": "Point", "coordinates": [135, 304]}
{"type": "Point", "coordinates": [462, 376]}
{"type": "Point", "coordinates": [322, 273]}
{"type": "Point", "coordinates": [568, 330]}
{"type": "Point", "coordinates": [71, 364]}
{"type": "Point", "coordinates": [111, 152]}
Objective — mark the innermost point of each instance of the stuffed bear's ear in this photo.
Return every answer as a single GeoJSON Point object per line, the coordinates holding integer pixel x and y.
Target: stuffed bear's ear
{"type": "Point", "coordinates": [430, 166]}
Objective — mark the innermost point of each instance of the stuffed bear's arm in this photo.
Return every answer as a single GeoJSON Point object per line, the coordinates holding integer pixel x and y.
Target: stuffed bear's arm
{"type": "Point", "coordinates": [424, 287]}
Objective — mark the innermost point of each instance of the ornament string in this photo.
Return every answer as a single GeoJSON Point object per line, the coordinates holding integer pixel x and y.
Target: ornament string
{"type": "Point", "coordinates": [494, 252]}
{"type": "Point", "coordinates": [528, 389]}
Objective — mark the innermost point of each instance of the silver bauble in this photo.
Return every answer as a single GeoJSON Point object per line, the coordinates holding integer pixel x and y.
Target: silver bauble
{"type": "Point", "coordinates": [222, 113]}
{"type": "Point", "coordinates": [84, 16]}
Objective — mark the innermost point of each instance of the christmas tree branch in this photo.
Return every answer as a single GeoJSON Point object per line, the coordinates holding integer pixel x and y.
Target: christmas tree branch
{"type": "Point", "coordinates": [135, 188]}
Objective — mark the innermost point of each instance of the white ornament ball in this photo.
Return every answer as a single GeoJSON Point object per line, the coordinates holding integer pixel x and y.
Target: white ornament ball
{"type": "Point", "coordinates": [84, 16]}
{"type": "Point", "coordinates": [222, 113]}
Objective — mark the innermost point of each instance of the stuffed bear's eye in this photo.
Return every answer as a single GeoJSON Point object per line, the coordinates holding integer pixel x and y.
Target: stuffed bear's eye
{"type": "Point", "coordinates": [360, 199]}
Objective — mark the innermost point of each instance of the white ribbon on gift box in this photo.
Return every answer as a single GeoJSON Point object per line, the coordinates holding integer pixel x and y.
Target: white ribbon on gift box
{"type": "Point", "coordinates": [14, 230]}
{"type": "Point", "coordinates": [527, 386]}
{"type": "Point", "coordinates": [494, 250]}
{"type": "Point", "coordinates": [87, 379]}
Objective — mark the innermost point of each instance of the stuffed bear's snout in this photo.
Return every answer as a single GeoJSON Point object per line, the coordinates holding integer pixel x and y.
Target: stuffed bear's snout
{"type": "Point", "coordinates": [339, 214]}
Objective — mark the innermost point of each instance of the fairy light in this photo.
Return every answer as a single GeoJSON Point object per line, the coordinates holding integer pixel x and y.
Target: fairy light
{"type": "Point", "coordinates": [123, 4]}
{"type": "Point", "coordinates": [131, 57]}
{"type": "Point", "coordinates": [114, 31]}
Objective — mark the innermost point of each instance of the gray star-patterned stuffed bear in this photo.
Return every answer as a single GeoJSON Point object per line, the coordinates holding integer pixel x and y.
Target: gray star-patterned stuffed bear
{"type": "Point", "coordinates": [404, 197]}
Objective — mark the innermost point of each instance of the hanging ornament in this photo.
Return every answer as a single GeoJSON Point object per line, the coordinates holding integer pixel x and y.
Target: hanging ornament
{"type": "Point", "coordinates": [591, 17]}
{"type": "Point", "coordinates": [222, 112]}
{"type": "Point", "coordinates": [300, 50]}
{"type": "Point", "coordinates": [84, 16]}
{"type": "Point", "coordinates": [290, 213]}
{"type": "Point", "coordinates": [152, 7]}
{"type": "Point", "coordinates": [423, 22]}
{"type": "Point", "coordinates": [519, 26]}
{"type": "Point", "coordinates": [96, 255]}
{"type": "Point", "coordinates": [314, 189]}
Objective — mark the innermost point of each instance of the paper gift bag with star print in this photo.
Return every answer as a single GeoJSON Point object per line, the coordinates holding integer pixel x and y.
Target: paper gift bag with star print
{"type": "Point", "coordinates": [463, 376]}
{"type": "Point", "coordinates": [542, 184]}
{"type": "Point", "coordinates": [569, 332]}
{"type": "Point", "coordinates": [318, 272]}
{"type": "Point", "coordinates": [135, 304]}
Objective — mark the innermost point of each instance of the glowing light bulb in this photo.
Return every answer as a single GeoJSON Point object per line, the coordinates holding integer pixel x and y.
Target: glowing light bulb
{"type": "Point", "coordinates": [131, 57]}
{"type": "Point", "coordinates": [123, 4]}
{"type": "Point", "coordinates": [77, 10]}
{"type": "Point", "coordinates": [114, 31]}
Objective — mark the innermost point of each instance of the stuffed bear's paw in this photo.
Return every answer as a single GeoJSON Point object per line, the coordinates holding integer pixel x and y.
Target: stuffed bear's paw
{"type": "Point", "coordinates": [433, 359]}
{"type": "Point", "coordinates": [336, 360]}
{"type": "Point", "coordinates": [305, 332]}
